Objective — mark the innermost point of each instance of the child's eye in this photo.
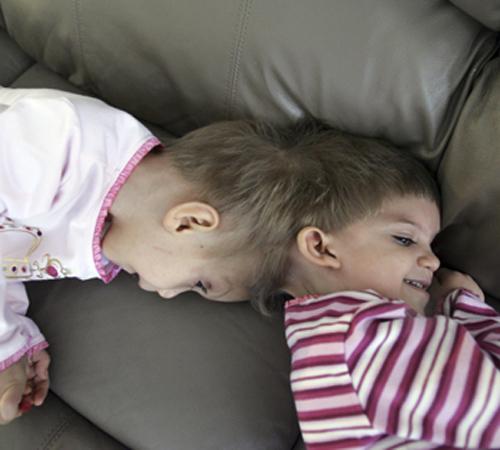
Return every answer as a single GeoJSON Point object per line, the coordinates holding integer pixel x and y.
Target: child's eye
{"type": "Point", "coordinates": [404, 241]}
{"type": "Point", "coordinates": [200, 285]}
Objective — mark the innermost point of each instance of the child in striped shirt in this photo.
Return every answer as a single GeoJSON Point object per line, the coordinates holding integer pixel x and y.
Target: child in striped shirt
{"type": "Point", "coordinates": [372, 365]}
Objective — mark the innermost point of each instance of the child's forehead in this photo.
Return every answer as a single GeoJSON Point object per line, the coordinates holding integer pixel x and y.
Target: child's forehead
{"type": "Point", "coordinates": [412, 204]}
{"type": "Point", "coordinates": [420, 212]}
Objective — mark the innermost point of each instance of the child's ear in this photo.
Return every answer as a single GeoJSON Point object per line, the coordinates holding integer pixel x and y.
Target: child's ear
{"type": "Point", "coordinates": [317, 247]}
{"type": "Point", "coordinates": [190, 217]}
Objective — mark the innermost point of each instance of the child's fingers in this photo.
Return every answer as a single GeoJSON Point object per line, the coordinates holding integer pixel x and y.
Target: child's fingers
{"type": "Point", "coordinates": [27, 389]}
{"type": "Point", "coordinates": [449, 280]}
{"type": "Point", "coordinates": [9, 403]}
{"type": "Point", "coordinates": [40, 391]}
{"type": "Point", "coordinates": [30, 371]}
{"type": "Point", "coordinates": [41, 362]}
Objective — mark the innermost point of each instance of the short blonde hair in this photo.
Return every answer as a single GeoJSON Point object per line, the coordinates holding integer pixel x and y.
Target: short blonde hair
{"type": "Point", "coordinates": [273, 181]}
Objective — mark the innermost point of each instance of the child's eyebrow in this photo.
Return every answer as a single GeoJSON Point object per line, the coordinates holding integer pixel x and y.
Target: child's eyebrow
{"type": "Point", "coordinates": [407, 221]}
{"type": "Point", "coordinates": [395, 218]}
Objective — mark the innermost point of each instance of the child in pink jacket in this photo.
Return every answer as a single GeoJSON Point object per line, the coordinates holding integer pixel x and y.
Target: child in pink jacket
{"type": "Point", "coordinates": [86, 190]}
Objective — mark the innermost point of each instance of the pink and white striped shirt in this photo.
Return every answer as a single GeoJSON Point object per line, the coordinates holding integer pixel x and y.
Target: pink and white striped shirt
{"type": "Point", "coordinates": [368, 372]}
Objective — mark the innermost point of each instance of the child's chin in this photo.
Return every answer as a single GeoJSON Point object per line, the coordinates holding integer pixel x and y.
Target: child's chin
{"type": "Point", "coordinates": [417, 300]}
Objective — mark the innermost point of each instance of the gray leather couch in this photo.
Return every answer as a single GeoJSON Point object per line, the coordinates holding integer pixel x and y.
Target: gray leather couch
{"type": "Point", "coordinates": [132, 371]}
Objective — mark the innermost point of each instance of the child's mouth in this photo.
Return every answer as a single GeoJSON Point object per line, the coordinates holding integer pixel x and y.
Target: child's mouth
{"type": "Point", "coordinates": [416, 284]}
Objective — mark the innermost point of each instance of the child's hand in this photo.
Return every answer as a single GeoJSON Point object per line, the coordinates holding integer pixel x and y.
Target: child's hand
{"type": "Point", "coordinates": [39, 377]}
{"type": "Point", "coordinates": [13, 385]}
{"type": "Point", "coordinates": [22, 385]}
{"type": "Point", "coordinates": [445, 281]}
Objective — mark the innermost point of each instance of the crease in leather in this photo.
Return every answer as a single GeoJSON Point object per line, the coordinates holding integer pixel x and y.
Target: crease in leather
{"type": "Point", "coordinates": [459, 98]}
{"type": "Point", "coordinates": [55, 434]}
{"type": "Point", "coordinates": [19, 75]}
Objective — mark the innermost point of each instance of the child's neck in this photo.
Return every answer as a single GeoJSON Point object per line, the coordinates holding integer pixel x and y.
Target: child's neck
{"type": "Point", "coordinates": [151, 189]}
{"type": "Point", "coordinates": [305, 278]}
{"type": "Point", "coordinates": [127, 201]}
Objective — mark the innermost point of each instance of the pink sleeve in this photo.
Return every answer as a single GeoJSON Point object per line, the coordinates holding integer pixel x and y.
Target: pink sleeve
{"type": "Point", "coordinates": [481, 320]}
{"type": "Point", "coordinates": [374, 372]}
{"type": "Point", "coordinates": [18, 334]}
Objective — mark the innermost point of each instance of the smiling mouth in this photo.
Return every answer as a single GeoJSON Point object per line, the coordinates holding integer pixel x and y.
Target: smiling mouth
{"type": "Point", "coordinates": [416, 284]}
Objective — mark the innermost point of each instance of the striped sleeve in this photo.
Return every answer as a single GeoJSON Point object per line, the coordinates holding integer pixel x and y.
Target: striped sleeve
{"type": "Point", "coordinates": [480, 320]}
{"type": "Point", "coordinates": [368, 372]}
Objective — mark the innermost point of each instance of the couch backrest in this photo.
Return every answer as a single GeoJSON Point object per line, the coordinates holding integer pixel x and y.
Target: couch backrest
{"type": "Point", "coordinates": [397, 69]}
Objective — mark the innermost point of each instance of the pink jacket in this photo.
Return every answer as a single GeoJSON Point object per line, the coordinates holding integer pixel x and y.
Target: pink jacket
{"type": "Point", "coordinates": [368, 372]}
{"type": "Point", "coordinates": [63, 158]}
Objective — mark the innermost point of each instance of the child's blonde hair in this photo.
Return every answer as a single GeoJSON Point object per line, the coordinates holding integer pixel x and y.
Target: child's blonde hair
{"type": "Point", "coordinates": [273, 181]}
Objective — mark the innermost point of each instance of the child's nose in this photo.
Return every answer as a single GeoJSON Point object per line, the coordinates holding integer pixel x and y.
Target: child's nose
{"type": "Point", "coordinates": [430, 261]}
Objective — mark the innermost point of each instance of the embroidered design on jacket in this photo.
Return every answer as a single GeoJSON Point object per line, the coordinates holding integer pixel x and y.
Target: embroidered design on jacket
{"type": "Point", "coordinates": [52, 267]}
{"type": "Point", "coordinates": [22, 268]}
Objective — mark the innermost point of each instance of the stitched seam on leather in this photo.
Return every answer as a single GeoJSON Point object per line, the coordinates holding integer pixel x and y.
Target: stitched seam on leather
{"type": "Point", "coordinates": [79, 37]}
{"type": "Point", "coordinates": [235, 55]}
{"type": "Point", "coordinates": [54, 434]}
